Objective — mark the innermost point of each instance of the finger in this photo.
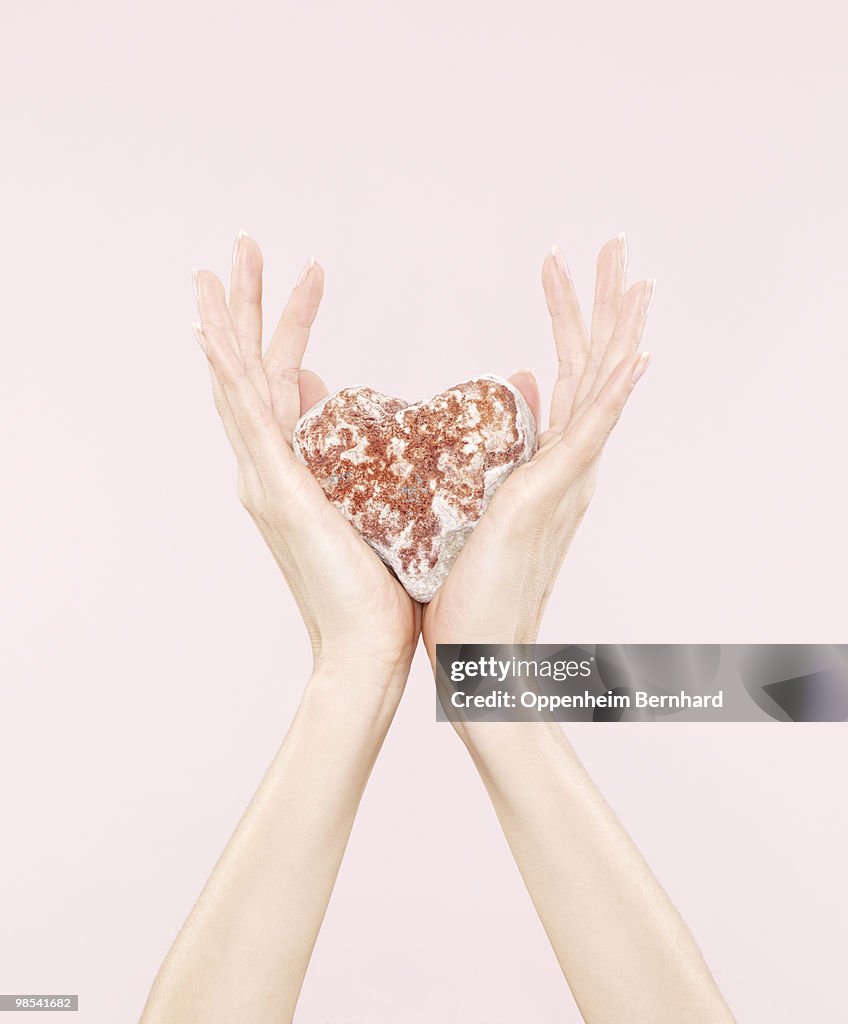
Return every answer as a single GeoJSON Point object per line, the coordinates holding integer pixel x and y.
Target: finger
{"type": "Point", "coordinates": [223, 409]}
{"type": "Point", "coordinates": [214, 312]}
{"type": "Point", "coordinates": [627, 332]}
{"type": "Point", "coordinates": [246, 296]}
{"type": "Point", "coordinates": [312, 390]}
{"type": "Point", "coordinates": [579, 446]}
{"type": "Point", "coordinates": [285, 353]}
{"type": "Point", "coordinates": [248, 477]}
{"type": "Point", "coordinates": [222, 406]}
{"type": "Point", "coordinates": [570, 337]}
{"type": "Point", "coordinates": [525, 382]}
{"type": "Point", "coordinates": [213, 309]}
{"type": "Point", "coordinates": [252, 416]}
{"type": "Point", "coordinates": [610, 279]}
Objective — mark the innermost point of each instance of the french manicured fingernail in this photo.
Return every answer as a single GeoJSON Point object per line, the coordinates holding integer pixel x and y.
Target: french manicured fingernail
{"type": "Point", "coordinates": [305, 272]}
{"type": "Point", "coordinates": [648, 296]}
{"type": "Point", "coordinates": [556, 252]}
{"type": "Point", "coordinates": [641, 366]}
{"type": "Point", "coordinates": [239, 237]}
{"type": "Point", "coordinates": [198, 333]}
{"type": "Point", "coordinates": [622, 250]}
{"type": "Point", "coordinates": [194, 273]}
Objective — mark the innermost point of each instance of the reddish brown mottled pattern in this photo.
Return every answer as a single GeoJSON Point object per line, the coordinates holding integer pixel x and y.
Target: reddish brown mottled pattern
{"type": "Point", "coordinates": [433, 429]}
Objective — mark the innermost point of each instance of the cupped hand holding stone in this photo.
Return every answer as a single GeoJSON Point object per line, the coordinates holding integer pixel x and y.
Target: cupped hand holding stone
{"type": "Point", "coordinates": [511, 535]}
{"type": "Point", "coordinates": [353, 608]}
{"type": "Point", "coordinates": [497, 588]}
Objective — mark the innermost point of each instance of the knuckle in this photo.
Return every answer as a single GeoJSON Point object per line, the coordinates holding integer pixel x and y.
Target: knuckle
{"type": "Point", "coordinates": [301, 315]}
{"type": "Point", "coordinates": [615, 415]}
{"type": "Point", "coordinates": [571, 365]}
{"type": "Point", "coordinates": [582, 455]}
{"type": "Point", "coordinates": [249, 495]}
{"type": "Point", "coordinates": [244, 491]}
{"type": "Point", "coordinates": [257, 425]}
{"type": "Point", "coordinates": [286, 374]}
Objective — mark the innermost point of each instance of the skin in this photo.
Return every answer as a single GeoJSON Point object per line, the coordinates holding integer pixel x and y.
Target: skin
{"type": "Point", "coordinates": [243, 951]}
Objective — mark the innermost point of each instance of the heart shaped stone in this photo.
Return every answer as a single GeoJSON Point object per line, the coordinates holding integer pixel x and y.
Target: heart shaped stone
{"type": "Point", "coordinates": [415, 479]}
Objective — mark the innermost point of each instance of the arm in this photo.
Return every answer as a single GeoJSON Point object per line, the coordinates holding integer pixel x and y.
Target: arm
{"type": "Point", "coordinates": [625, 952]}
{"type": "Point", "coordinates": [243, 952]}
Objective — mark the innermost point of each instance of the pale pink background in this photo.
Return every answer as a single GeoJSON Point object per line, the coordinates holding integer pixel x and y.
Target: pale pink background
{"type": "Point", "coordinates": [428, 155]}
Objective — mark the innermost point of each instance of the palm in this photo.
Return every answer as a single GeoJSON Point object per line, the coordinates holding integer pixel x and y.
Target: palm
{"type": "Point", "coordinates": [361, 582]}
{"type": "Point", "coordinates": [463, 610]}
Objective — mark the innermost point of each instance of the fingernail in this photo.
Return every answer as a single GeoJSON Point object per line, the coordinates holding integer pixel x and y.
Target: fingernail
{"type": "Point", "coordinates": [239, 237]}
{"type": "Point", "coordinates": [648, 296]}
{"type": "Point", "coordinates": [194, 273]}
{"type": "Point", "coordinates": [556, 252]}
{"type": "Point", "coordinates": [641, 366]}
{"type": "Point", "coordinates": [305, 272]}
{"type": "Point", "coordinates": [198, 333]}
{"type": "Point", "coordinates": [622, 250]}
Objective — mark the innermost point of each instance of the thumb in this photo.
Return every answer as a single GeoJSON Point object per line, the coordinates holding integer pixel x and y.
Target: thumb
{"type": "Point", "coordinates": [526, 383]}
{"type": "Point", "coordinates": [312, 389]}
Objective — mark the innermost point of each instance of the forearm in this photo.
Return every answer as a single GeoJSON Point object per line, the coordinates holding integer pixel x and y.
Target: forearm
{"type": "Point", "coordinates": [626, 953]}
{"type": "Point", "coordinates": [245, 947]}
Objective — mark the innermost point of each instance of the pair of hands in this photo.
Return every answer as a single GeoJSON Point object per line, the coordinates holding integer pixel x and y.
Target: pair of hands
{"type": "Point", "coordinates": [497, 589]}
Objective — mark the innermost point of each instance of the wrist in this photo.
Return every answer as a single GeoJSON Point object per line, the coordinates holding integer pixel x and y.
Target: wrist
{"type": "Point", "coordinates": [365, 690]}
{"type": "Point", "coordinates": [377, 656]}
{"type": "Point", "coordinates": [524, 632]}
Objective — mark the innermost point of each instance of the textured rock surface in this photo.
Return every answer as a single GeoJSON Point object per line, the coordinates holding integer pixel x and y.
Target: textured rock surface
{"type": "Point", "coordinates": [415, 479]}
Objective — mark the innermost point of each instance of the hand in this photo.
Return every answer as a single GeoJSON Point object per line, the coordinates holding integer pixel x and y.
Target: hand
{"type": "Point", "coordinates": [354, 610]}
{"type": "Point", "coordinates": [499, 585]}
